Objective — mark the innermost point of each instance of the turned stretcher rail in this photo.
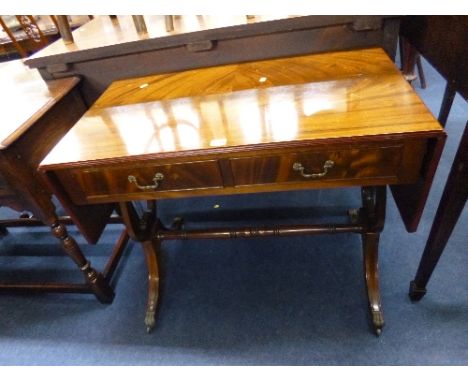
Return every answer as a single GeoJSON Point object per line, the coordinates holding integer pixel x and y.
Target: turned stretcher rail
{"type": "Point", "coordinates": [232, 233]}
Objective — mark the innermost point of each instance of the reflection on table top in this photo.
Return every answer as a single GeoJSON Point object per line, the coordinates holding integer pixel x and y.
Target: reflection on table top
{"type": "Point", "coordinates": [332, 95]}
{"type": "Point", "coordinates": [24, 97]}
{"type": "Point", "coordinates": [104, 31]}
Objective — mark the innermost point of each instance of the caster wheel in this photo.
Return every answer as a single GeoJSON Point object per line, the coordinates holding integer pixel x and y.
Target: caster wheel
{"type": "Point", "coordinates": [149, 322]}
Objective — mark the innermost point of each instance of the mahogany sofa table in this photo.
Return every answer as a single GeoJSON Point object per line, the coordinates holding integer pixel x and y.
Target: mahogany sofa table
{"type": "Point", "coordinates": [35, 115]}
{"type": "Point", "coordinates": [315, 121]}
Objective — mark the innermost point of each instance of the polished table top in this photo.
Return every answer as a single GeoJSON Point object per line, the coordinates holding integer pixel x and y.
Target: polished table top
{"type": "Point", "coordinates": [25, 97]}
{"type": "Point", "coordinates": [321, 96]}
{"type": "Point", "coordinates": [104, 31]}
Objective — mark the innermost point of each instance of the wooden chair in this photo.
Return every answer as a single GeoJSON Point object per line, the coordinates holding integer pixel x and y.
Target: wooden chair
{"type": "Point", "coordinates": [140, 24]}
{"type": "Point", "coordinates": [32, 37]}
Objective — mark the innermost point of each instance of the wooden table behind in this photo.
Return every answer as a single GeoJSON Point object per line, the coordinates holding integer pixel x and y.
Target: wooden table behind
{"type": "Point", "coordinates": [107, 50]}
{"type": "Point", "coordinates": [35, 115]}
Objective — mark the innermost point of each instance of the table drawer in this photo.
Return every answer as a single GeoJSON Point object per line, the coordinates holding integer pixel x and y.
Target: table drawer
{"type": "Point", "coordinates": [145, 180]}
{"type": "Point", "coordinates": [319, 166]}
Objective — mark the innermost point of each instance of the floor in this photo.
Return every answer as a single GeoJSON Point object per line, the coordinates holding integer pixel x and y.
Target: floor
{"type": "Point", "coordinates": [275, 301]}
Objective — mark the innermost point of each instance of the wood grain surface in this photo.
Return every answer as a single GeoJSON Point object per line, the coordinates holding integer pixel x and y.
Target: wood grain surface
{"type": "Point", "coordinates": [307, 98]}
{"type": "Point", "coordinates": [25, 97]}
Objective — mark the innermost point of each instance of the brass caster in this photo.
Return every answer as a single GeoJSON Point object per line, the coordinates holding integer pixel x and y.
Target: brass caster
{"type": "Point", "coordinates": [377, 322]}
{"type": "Point", "coordinates": [150, 321]}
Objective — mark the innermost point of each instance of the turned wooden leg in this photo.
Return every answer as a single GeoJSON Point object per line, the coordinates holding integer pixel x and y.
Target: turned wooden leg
{"type": "Point", "coordinates": [169, 21]}
{"type": "Point", "coordinates": [370, 246]}
{"type": "Point", "coordinates": [373, 216]}
{"type": "Point", "coordinates": [151, 249]}
{"type": "Point", "coordinates": [143, 229]}
{"type": "Point", "coordinates": [94, 279]}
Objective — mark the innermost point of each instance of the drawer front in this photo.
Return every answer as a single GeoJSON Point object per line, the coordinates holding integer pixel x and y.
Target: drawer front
{"type": "Point", "coordinates": [142, 181]}
{"type": "Point", "coordinates": [338, 166]}
{"type": "Point", "coordinates": [319, 166]}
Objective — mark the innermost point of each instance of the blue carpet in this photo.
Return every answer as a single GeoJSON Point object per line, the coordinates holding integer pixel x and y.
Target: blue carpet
{"type": "Point", "coordinates": [275, 301]}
